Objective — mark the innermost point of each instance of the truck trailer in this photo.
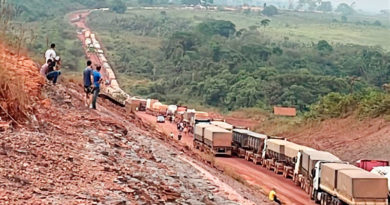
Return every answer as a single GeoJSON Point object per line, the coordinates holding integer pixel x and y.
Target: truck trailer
{"type": "Point", "coordinates": [218, 140]}
{"type": "Point", "coordinates": [223, 125]}
{"type": "Point", "coordinates": [199, 135]}
{"type": "Point", "coordinates": [305, 165]}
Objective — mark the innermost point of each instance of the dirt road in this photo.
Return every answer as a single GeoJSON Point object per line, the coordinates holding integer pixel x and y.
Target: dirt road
{"type": "Point", "coordinates": [253, 174]}
{"type": "Point", "coordinates": [256, 175]}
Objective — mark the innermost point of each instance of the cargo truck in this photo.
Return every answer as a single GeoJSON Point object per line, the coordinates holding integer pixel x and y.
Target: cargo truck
{"type": "Point", "coordinates": [370, 164]}
{"type": "Point", "coordinates": [291, 151]}
{"type": "Point", "coordinates": [338, 183]}
{"type": "Point", "coordinates": [199, 135]}
{"type": "Point", "coordinates": [383, 171]}
{"type": "Point", "coordinates": [218, 140]}
{"type": "Point", "coordinates": [255, 147]}
{"type": "Point", "coordinates": [305, 164]}
{"type": "Point", "coordinates": [240, 142]}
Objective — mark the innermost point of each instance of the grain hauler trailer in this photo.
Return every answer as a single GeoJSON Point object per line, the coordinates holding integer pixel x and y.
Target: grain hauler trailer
{"type": "Point", "coordinates": [198, 117]}
{"type": "Point", "coordinates": [383, 171]}
{"type": "Point", "coordinates": [223, 125]}
{"type": "Point", "coordinates": [274, 154]}
{"type": "Point", "coordinates": [115, 95]}
{"type": "Point", "coordinates": [255, 147]}
{"type": "Point", "coordinates": [325, 180]}
{"type": "Point", "coordinates": [291, 151]}
{"type": "Point", "coordinates": [353, 187]}
{"type": "Point", "coordinates": [218, 140]}
{"type": "Point", "coordinates": [199, 135]}
{"type": "Point", "coordinates": [240, 142]}
{"type": "Point", "coordinates": [306, 161]}
{"type": "Point", "coordinates": [149, 105]}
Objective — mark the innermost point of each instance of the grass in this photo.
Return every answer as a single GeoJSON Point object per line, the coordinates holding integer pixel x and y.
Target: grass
{"type": "Point", "coordinates": [302, 27]}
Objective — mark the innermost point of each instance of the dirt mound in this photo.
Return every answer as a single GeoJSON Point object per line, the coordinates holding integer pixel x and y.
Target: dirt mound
{"type": "Point", "coordinates": [20, 86]}
{"type": "Point", "coordinates": [349, 138]}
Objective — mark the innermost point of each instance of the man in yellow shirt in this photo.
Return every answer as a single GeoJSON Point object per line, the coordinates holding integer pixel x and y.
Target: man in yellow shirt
{"type": "Point", "coordinates": [272, 196]}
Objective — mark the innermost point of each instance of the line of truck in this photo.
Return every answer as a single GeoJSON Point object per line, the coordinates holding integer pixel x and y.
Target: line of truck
{"type": "Point", "coordinates": [111, 89]}
{"type": "Point", "coordinates": [327, 179]}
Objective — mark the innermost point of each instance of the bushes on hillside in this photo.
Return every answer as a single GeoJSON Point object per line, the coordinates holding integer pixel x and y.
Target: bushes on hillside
{"type": "Point", "coordinates": [368, 103]}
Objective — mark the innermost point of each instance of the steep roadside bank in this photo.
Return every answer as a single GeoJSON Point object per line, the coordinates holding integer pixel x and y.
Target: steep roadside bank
{"type": "Point", "coordinates": [73, 155]}
{"type": "Point", "coordinates": [349, 138]}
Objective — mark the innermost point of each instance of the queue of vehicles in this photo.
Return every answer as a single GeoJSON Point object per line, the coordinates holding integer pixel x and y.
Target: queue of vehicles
{"type": "Point", "coordinates": [326, 178]}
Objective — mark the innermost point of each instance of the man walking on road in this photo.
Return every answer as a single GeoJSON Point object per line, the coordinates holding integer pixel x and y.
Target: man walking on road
{"type": "Point", "coordinates": [87, 76]}
{"type": "Point", "coordinates": [97, 79]}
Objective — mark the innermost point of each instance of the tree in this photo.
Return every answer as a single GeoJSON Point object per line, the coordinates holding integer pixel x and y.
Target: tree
{"type": "Point", "coordinates": [345, 9]}
{"type": "Point", "coordinates": [324, 46]}
{"type": "Point", "coordinates": [270, 10]}
{"type": "Point", "coordinates": [344, 19]}
{"type": "Point", "coordinates": [265, 22]}
{"type": "Point", "coordinates": [217, 27]}
{"type": "Point", "coordinates": [377, 23]}
{"type": "Point", "coordinates": [325, 6]}
{"type": "Point", "coordinates": [119, 6]}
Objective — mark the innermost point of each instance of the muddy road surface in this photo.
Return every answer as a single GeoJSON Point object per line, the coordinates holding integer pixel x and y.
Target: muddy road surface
{"type": "Point", "coordinates": [253, 174]}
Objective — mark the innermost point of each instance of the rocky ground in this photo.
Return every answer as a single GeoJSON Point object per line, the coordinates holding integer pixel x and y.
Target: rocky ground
{"type": "Point", "coordinates": [70, 154]}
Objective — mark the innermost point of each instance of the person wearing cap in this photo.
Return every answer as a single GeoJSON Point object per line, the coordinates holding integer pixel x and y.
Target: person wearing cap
{"type": "Point", "coordinates": [51, 53]}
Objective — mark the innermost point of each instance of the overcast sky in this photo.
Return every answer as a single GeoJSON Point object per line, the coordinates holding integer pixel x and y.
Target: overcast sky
{"type": "Point", "coordinates": [366, 5]}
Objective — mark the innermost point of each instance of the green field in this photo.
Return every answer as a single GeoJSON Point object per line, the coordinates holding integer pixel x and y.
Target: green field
{"type": "Point", "coordinates": [297, 26]}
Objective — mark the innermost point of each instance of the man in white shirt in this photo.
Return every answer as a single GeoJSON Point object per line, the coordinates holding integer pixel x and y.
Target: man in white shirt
{"type": "Point", "coordinates": [51, 53]}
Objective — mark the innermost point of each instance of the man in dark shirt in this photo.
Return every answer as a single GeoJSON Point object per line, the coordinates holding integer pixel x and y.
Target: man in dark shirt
{"type": "Point", "coordinates": [87, 76]}
{"type": "Point", "coordinates": [97, 79]}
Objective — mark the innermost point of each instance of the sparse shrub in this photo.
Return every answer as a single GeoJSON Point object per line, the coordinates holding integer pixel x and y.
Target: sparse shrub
{"type": "Point", "coordinates": [14, 100]}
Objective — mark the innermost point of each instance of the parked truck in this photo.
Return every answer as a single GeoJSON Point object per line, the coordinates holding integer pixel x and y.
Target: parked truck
{"type": "Point", "coordinates": [218, 140]}
{"type": "Point", "coordinates": [198, 140]}
{"type": "Point", "coordinates": [383, 171]}
{"type": "Point", "coordinates": [370, 164]}
{"type": "Point", "coordinates": [305, 164]}
{"type": "Point", "coordinates": [340, 183]}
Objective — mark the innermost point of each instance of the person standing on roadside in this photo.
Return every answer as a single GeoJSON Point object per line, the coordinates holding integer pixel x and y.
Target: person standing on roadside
{"type": "Point", "coordinates": [87, 77]}
{"type": "Point", "coordinates": [179, 136]}
{"type": "Point", "coordinates": [51, 53]}
{"type": "Point", "coordinates": [97, 79]}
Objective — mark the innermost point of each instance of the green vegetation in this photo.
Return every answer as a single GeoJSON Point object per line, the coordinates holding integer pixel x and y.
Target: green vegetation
{"type": "Point", "coordinates": [230, 60]}
{"type": "Point", "coordinates": [367, 103]}
{"type": "Point", "coordinates": [224, 59]}
{"type": "Point", "coordinates": [270, 11]}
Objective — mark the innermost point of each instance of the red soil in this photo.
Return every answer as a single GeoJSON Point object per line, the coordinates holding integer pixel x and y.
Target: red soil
{"type": "Point", "coordinates": [348, 138]}
{"type": "Point", "coordinates": [253, 174]}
